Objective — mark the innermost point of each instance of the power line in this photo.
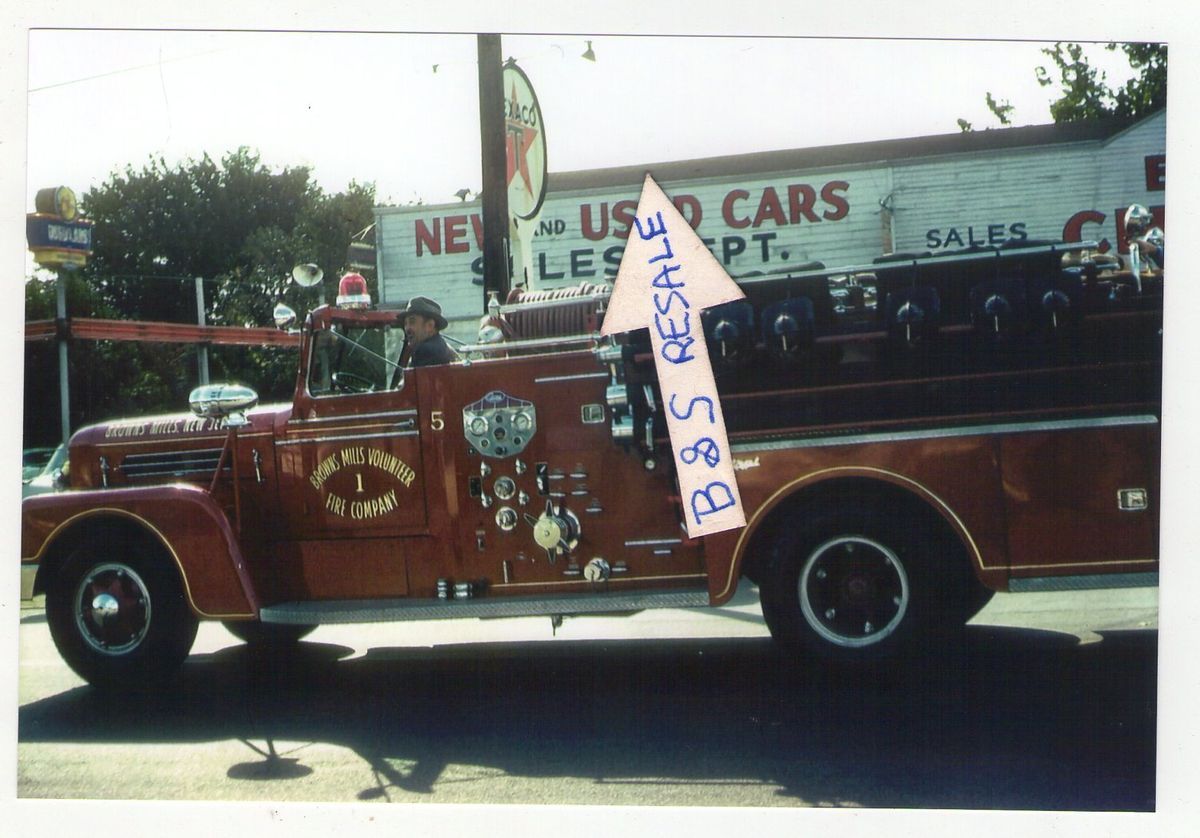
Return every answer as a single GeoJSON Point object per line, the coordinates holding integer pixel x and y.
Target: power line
{"type": "Point", "coordinates": [158, 63]}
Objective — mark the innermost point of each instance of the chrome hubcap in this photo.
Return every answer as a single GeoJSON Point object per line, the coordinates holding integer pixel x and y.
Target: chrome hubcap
{"type": "Point", "coordinates": [105, 608]}
{"type": "Point", "coordinates": [853, 591]}
{"type": "Point", "coordinates": [112, 609]}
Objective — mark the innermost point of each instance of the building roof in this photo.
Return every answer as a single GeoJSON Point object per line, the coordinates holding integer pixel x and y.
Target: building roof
{"type": "Point", "coordinates": [846, 154]}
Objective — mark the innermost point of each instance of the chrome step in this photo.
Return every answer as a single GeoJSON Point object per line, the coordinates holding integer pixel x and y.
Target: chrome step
{"type": "Point", "coordinates": [395, 610]}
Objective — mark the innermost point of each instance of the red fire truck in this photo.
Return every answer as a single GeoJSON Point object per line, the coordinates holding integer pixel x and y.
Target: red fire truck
{"type": "Point", "coordinates": [908, 436]}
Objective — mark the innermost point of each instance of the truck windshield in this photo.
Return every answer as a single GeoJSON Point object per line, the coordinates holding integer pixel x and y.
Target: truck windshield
{"type": "Point", "coordinates": [353, 359]}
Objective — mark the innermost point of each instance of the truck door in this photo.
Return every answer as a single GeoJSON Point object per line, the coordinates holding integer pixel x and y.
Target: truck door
{"type": "Point", "coordinates": [350, 455]}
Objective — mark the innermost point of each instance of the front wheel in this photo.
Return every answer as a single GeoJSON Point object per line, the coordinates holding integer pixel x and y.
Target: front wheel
{"type": "Point", "coordinates": [119, 618]}
{"type": "Point", "coordinates": [862, 587]}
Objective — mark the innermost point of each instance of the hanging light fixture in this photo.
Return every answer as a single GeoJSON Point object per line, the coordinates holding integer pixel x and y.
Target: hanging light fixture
{"type": "Point", "coordinates": [588, 54]}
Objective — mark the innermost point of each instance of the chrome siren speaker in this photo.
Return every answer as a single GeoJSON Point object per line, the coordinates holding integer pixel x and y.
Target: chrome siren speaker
{"type": "Point", "coordinates": [222, 401]}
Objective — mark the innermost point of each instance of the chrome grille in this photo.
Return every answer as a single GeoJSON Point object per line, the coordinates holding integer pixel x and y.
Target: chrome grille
{"type": "Point", "coordinates": [171, 463]}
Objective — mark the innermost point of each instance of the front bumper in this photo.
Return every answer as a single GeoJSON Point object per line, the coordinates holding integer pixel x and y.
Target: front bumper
{"type": "Point", "coordinates": [28, 575]}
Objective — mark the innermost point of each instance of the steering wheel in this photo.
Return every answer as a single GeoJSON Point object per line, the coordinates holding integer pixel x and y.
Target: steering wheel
{"type": "Point", "coordinates": [348, 382]}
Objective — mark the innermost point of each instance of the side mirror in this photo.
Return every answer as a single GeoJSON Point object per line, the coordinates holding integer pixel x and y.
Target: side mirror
{"type": "Point", "coordinates": [223, 401]}
{"type": "Point", "coordinates": [285, 318]}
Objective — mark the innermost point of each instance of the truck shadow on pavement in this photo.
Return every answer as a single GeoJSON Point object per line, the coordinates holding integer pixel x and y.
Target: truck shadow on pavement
{"type": "Point", "coordinates": [1022, 719]}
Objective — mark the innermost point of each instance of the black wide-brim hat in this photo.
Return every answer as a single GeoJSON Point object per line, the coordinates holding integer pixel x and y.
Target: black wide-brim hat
{"type": "Point", "coordinates": [426, 308]}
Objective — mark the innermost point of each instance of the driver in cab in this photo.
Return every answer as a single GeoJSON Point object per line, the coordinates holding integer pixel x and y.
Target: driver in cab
{"type": "Point", "coordinates": [423, 323]}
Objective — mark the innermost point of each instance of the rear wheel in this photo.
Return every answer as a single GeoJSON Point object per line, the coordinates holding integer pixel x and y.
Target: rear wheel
{"type": "Point", "coordinates": [119, 617]}
{"type": "Point", "coordinates": [863, 585]}
{"type": "Point", "coordinates": [268, 634]}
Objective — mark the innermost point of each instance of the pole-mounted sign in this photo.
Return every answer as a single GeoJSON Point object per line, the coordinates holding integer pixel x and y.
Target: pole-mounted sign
{"type": "Point", "coordinates": [525, 147]}
{"type": "Point", "coordinates": [61, 241]}
{"type": "Point", "coordinates": [667, 276]}
{"type": "Point", "coordinates": [525, 144]}
{"type": "Point", "coordinates": [56, 236]}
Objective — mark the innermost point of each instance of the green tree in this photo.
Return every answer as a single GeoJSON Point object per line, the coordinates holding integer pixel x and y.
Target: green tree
{"type": "Point", "coordinates": [1083, 90]}
{"type": "Point", "coordinates": [238, 225]}
{"type": "Point", "coordinates": [1001, 110]}
{"type": "Point", "coordinates": [1085, 93]}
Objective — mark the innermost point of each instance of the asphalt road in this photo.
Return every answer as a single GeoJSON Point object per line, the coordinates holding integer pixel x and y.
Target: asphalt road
{"type": "Point", "coordinates": [1051, 707]}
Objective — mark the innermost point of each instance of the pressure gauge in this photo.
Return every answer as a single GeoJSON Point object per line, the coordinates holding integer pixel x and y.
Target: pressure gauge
{"type": "Point", "coordinates": [479, 426]}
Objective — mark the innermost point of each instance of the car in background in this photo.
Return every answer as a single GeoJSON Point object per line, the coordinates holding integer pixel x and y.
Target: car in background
{"type": "Point", "coordinates": [51, 478]}
{"type": "Point", "coordinates": [33, 461]}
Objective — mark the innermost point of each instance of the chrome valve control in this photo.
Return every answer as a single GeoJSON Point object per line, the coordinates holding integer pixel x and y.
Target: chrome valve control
{"type": "Point", "coordinates": [555, 530]}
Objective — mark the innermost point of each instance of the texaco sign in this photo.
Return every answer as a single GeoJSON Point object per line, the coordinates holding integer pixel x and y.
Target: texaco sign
{"type": "Point", "coordinates": [525, 144]}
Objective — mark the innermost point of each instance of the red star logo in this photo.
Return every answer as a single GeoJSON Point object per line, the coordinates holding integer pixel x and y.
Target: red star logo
{"type": "Point", "coordinates": [517, 132]}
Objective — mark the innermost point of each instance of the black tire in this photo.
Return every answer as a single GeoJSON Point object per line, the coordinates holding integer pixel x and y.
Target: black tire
{"type": "Point", "coordinates": [118, 615]}
{"type": "Point", "coordinates": [863, 586]}
{"type": "Point", "coordinates": [268, 634]}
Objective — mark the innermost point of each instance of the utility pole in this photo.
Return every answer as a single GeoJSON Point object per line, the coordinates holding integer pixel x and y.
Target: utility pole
{"type": "Point", "coordinates": [64, 390]}
{"type": "Point", "coordinates": [495, 169]}
{"type": "Point", "coordinates": [201, 349]}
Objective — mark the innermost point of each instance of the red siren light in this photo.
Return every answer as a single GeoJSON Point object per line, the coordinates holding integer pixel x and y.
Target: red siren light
{"type": "Point", "coordinates": [352, 292]}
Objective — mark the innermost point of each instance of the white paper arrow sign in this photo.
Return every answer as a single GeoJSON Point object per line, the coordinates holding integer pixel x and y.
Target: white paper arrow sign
{"type": "Point", "coordinates": [666, 277]}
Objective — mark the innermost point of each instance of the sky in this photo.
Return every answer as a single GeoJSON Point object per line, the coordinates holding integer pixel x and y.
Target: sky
{"type": "Point", "coordinates": [373, 108]}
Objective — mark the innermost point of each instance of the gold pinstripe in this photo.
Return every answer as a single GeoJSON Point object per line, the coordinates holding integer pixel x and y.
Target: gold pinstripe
{"type": "Point", "coordinates": [1086, 564]}
{"type": "Point", "coordinates": [737, 550]}
{"type": "Point", "coordinates": [160, 442]}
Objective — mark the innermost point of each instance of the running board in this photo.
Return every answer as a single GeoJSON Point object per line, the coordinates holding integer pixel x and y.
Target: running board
{"type": "Point", "coordinates": [1099, 581]}
{"type": "Point", "coordinates": [395, 610]}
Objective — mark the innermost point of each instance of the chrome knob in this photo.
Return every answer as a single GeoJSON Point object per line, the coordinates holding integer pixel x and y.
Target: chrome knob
{"type": "Point", "coordinates": [505, 488]}
{"type": "Point", "coordinates": [597, 570]}
{"type": "Point", "coordinates": [506, 518]}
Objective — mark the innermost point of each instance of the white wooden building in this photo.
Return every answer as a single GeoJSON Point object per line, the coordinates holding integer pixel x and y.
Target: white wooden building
{"type": "Point", "coordinates": [839, 205]}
